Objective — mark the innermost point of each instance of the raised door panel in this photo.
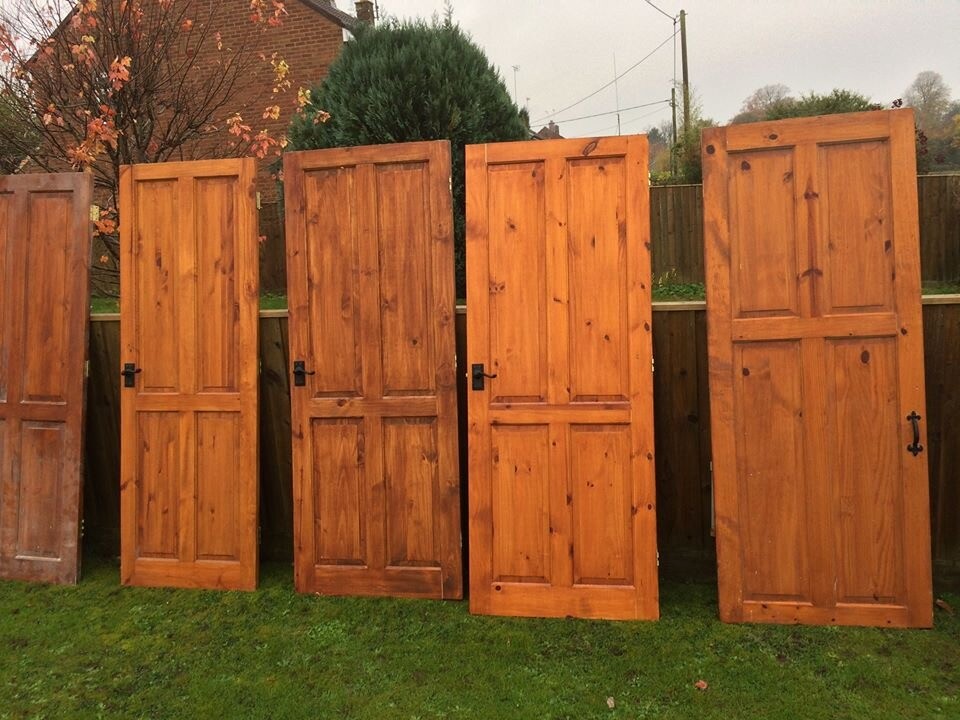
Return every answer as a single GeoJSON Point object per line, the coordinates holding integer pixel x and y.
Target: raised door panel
{"type": "Point", "coordinates": [822, 509]}
{"type": "Point", "coordinates": [561, 439]}
{"type": "Point", "coordinates": [370, 269]}
{"type": "Point", "coordinates": [856, 243]}
{"type": "Point", "coordinates": [868, 500]}
{"type": "Point", "coordinates": [189, 306]}
{"type": "Point", "coordinates": [597, 248]}
{"type": "Point", "coordinates": [44, 301]}
{"type": "Point", "coordinates": [517, 256]}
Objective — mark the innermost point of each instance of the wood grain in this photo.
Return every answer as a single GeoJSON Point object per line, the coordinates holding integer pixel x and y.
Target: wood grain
{"type": "Point", "coordinates": [562, 512]}
{"type": "Point", "coordinates": [815, 335]}
{"type": "Point", "coordinates": [376, 487]}
{"type": "Point", "coordinates": [44, 270]}
{"type": "Point", "coordinates": [189, 303]}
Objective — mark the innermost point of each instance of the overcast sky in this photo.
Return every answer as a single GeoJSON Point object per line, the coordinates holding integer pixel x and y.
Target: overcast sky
{"type": "Point", "coordinates": [565, 51]}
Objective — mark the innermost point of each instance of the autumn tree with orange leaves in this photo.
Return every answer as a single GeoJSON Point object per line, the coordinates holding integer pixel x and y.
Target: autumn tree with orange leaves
{"type": "Point", "coordinates": [97, 84]}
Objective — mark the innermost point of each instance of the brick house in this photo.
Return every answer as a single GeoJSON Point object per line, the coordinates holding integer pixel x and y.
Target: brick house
{"type": "Point", "coordinates": [309, 40]}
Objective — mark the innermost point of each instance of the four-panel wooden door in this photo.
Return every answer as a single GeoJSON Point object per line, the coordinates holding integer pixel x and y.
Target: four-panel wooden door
{"type": "Point", "coordinates": [370, 279]}
{"type": "Point", "coordinates": [44, 301]}
{"type": "Point", "coordinates": [816, 371]}
{"type": "Point", "coordinates": [188, 340]}
{"type": "Point", "coordinates": [560, 397]}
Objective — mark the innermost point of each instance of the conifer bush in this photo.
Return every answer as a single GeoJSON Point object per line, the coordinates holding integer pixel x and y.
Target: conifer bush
{"type": "Point", "coordinates": [408, 81]}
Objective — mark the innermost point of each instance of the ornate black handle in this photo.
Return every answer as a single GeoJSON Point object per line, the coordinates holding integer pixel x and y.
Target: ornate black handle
{"type": "Point", "coordinates": [129, 373]}
{"type": "Point", "coordinates": [300, 373]}
{"type": "Point", "coordinates": [915, 447]}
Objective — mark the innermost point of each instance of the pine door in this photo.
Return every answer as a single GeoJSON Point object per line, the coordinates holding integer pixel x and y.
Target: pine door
{"type": "Point", "coordinates": [188, 342]}
{"type": "Point", "coordinates": [816, 371]}
{"type": "Point", "coordinates": [374, 409]}
{"type": "Point", "coordinates": [44, 311]}
{"type": "Point", "coordinates": [560, 397]}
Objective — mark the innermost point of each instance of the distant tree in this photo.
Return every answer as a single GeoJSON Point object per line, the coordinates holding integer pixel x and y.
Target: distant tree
{"type": "Point", "coordinates": [929, 96]}
{"type": "Point", "coordinates": [406, 81]}
{"type": "Point", "coordinates": [836, 101]}
{"type": "Point", "coordinates": [687, 148]}
{"type": "Point", "coordinates": [756, 105]}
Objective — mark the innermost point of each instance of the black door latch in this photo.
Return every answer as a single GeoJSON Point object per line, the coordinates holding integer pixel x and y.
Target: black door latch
{"type": "Point", "coordinates": [477, 375]}
{"type": "Point", "coordinates": [129, 373]}
{"type": "Point", "coordinates": [300, 373]}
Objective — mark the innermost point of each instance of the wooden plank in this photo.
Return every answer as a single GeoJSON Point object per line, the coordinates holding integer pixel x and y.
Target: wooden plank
{"type": "Point", "coordinates": [189, 452]}
{"type": "Point", "coordinates": [44, 270]}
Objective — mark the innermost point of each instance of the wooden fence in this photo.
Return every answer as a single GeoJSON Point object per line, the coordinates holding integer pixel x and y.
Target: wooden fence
{"type": "Point", "coordinates": [681, 416]}
{"type": "Point", "coordinates": [676, 228]}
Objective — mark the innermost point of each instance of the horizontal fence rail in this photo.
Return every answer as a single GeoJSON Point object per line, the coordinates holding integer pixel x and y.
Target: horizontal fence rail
{"type": "Point", "coordinates": [681, 419]}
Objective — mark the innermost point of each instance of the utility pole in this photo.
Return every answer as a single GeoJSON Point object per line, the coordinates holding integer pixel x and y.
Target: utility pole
{"type": "Point", "coordinates": [673, 145]}
{"type": "Point", "coordinates": [686, 76]}
{"type": "Point", "coordinates": [516, 98]}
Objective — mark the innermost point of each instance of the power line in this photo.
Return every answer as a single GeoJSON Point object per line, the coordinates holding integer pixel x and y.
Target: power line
{"type": "Point", "coordinates": [610, 112]}
{"type": "Point", "coordinates": [604, 87]}
{"type": "Point", "coordinates": [665, 14]}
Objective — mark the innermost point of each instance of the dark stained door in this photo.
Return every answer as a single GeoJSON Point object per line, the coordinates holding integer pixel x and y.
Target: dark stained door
{"type": "Point", "coordinates": [44, 311]}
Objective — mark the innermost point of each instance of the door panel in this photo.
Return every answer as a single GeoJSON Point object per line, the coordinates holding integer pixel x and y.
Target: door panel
{"type": "Point", "coordinates": [188, 323]}
{"type": "Point", "coordinates": [816, 362]}
{"type": "Point", "coordinates": [562, 516]}
{"type": "Point", "coordinates": [370, 276]}
{"type": "Point", "coordinates": [44, 312]}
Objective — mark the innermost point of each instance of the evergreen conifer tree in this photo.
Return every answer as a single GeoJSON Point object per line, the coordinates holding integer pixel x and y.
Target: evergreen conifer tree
{"type": "Point", "coordinates": [408, 81]}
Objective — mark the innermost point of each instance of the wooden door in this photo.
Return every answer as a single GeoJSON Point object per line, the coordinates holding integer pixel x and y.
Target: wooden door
{"type": "Point", "coordinates": [562, 516]}
{"type": "Point", "coordinates": [44, 311]}
{"type": "Point", "coordinates": [816, 362]}
{"type": "Point", "coordinates": [188, 340]}
{"type": "Point", "coordinates": [370, 275]}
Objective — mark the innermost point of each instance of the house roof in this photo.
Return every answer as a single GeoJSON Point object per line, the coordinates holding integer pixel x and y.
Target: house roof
{"type": "Point", "coordinates": [327, 9]}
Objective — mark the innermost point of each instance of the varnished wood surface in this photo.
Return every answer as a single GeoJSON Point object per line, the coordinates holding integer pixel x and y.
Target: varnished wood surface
{"type": "Point", "coordinates": [816, 359]}
{"type": "Point", "coordinates": [561, 496]}
{"type": "Point", "coordinates": [44, 290]}
{"type": "Point", "coordinates": [376, 486]}
{"type": "Point", "coordinates": [189, 303]}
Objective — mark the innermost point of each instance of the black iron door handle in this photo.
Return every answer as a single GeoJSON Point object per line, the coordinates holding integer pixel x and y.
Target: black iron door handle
{"type": "Point", "coordinates": [300, 373]}
{"type": "Point", "coordinates": [477, 375]}
{"type": "Point", "coordinates": [129, 373]}
{"type": "Point", "coordinates": [915, 447]}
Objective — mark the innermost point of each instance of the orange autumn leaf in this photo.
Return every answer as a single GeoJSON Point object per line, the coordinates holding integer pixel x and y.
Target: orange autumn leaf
{"type": "Point", "coordinates": [701, 685]}
{"type": "Point", "coordinates": [119, 72]}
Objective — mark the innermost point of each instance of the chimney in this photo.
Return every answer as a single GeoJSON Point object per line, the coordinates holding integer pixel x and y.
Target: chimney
{"type": "Point", "coordinates": [365, 11]}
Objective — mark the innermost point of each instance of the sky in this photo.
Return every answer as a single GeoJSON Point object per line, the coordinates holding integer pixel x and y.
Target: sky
{"type": "Point", "coordinates": [565, 50]}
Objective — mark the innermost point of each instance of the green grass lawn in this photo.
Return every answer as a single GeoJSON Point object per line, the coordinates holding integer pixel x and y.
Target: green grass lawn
{"type": "Point", "coordinates": [101, 650]}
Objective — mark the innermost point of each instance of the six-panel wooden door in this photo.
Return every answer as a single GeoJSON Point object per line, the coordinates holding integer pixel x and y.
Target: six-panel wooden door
{"type": "Point", "coordinates": [370, 279]}
{"type": "Point", "coordinates": [188, 340]}
{"type": "Point", "coordinates": [562, 516]}
{"type": "Point", "coordinates": [44, 301]}
{"type": "Point", "coordinates": [816, 367]}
